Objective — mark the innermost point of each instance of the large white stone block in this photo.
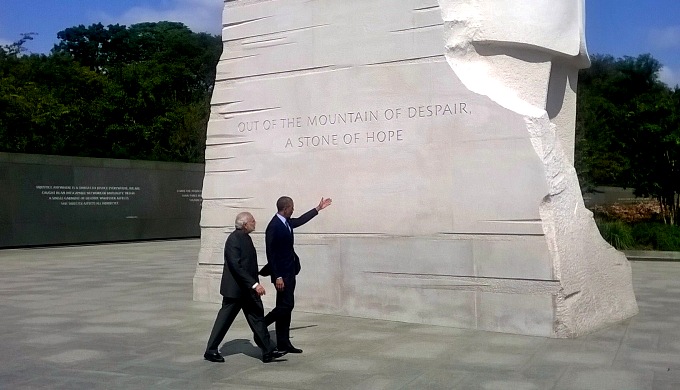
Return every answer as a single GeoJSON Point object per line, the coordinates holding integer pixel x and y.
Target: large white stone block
{"type": "Point", "coordinates": [443, 131]}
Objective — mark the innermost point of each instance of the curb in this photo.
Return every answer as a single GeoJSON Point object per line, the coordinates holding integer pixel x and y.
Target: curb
{"type": "Point", "coordinates": [652, 255]}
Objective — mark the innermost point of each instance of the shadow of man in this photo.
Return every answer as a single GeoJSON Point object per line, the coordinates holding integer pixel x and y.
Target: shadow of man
{"type": "Point", "coordinates": [243, 346]}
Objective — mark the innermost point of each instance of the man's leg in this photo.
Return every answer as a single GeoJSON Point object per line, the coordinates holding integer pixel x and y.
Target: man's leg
{"type": "Point", "coordinates": [253, 310]}
{"type": "Point", "coordinates": [225, 317]}
{"type": "Point", "coordinates": [285, 301]}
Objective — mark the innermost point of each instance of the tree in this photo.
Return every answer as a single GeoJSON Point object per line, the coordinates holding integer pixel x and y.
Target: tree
{"type": "Point", "coordinates": [655, 149]}
{"type": "Point", "coordinates": [600, 119]}
{"type": "Point", "coordinates": [164, 73]}
{"type": "Point", "coordinates": [628, 132]}
{"type": "Point", "coordinates": [139, 92]}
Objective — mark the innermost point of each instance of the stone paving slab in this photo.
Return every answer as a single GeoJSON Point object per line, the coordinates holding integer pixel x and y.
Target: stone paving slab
{"type": "Point", "coordinates": [121, 316]}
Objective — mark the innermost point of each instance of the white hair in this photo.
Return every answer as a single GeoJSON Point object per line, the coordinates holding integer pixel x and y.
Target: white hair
{"type": "Point", "coordinates": [241, 219]}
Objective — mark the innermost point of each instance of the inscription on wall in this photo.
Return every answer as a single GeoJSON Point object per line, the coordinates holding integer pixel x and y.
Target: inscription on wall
{"type": "Point", "coordinates": [322, 121]}
{"type": "Point", "coordinates": [88, 195]}
{"type": "Point", "coordinates": [192, 195]}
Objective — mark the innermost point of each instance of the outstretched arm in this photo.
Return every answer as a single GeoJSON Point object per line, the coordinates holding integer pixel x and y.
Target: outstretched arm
{"type": "Point", "coordinates": [304, 218]}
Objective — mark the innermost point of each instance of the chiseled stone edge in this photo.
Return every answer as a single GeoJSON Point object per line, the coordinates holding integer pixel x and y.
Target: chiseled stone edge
{"type": "Point", "coordinates": [595, 279]}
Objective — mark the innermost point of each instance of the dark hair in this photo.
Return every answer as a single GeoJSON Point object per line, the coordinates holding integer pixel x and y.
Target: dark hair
{"type": "Point", "coordinates": [283, 202]}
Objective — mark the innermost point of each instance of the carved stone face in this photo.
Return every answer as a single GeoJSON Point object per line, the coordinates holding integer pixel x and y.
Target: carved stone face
{"type": "Point", "coordinates": [556, 27]}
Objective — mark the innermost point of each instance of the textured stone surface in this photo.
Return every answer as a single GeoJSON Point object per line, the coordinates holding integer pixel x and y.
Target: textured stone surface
{"type": "Point", "coordinates": [443, 131]}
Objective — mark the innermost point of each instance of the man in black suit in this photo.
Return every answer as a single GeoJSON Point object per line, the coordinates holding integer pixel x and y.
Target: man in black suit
{"type": "Point", "coordinates": [241, 289]}
{"type": "Point", "coordinates": [284, 265]}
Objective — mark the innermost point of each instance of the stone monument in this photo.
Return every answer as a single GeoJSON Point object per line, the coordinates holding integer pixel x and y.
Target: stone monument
{"type": "Point", "coordinates": [443, 131]}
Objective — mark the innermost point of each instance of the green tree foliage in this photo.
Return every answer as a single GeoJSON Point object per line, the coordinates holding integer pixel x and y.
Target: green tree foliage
{"type": "Point", "coordinates": [139, 92]}
{"type": "Point", "coordinates": [628, 130]}
{"type": "Point", "coordinates": [598, 156]}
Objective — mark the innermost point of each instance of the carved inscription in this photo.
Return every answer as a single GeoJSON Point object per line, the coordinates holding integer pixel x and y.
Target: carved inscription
{"type": "Point", "coordinates": [351, 118]}
{"type": "Point", "coordinates": [88, 195]}
{"type": "Point", "coordinates": [192, 195]}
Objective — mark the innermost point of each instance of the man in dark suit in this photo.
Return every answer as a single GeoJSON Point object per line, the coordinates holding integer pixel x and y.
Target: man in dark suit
{"type": "Point", "coordinates": [284, 264]}
{"type": "Point", "coordinates": [241, 289]}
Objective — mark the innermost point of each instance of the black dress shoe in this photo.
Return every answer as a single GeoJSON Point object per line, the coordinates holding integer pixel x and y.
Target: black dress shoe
{"type": "Point", "coordinates": [275, 354]}
{"type": "Point", "coordinates": [214, 357]}
{"type": "Point", "coordinates": [291, 349]}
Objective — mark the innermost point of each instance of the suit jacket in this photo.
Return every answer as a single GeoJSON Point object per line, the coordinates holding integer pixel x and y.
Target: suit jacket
{"type": "Point", "coordinates": [282, 261]}
{"type": "Point", "coordinates": [240, 266]}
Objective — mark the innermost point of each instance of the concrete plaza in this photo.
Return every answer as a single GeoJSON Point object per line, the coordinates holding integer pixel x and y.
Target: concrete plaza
{"type": "Point", "coordinates": [121, 316]}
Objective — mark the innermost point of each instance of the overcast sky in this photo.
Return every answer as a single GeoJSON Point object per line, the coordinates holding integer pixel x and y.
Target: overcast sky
{"type": "Point", "coordinates": [616, 27]}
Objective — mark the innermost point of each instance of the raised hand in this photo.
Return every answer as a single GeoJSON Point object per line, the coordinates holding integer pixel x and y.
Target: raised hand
{"type": "Point", "coordinates": [324, 203]}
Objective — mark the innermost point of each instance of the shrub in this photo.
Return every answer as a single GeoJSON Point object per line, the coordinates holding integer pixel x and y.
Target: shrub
{"type": "Point", "coordinates": [617, 233]}
{"type": "Point", "coordinates": [644, 210]}
{"type": "Point", "coordinates": [657, 236]}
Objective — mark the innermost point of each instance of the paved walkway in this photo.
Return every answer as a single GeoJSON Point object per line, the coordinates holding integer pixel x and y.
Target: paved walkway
{"type": "Point", "coordinates": [121, 317]}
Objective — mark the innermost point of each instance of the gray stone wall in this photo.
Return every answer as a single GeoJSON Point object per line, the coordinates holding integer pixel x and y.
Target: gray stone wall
{"type": "Point", "coordinates": [49, 200]}
{"type": "Point", "coordinates": [444, 133]}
